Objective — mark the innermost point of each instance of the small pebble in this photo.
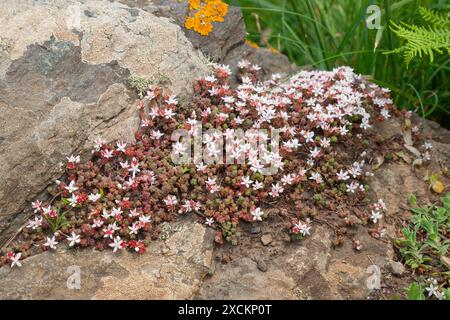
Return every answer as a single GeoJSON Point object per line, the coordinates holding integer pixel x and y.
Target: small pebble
{"type": "Point", "coordinates": [266, 239]}
{"type": "Point", "coordinates": [261, 265]}
{"type": "Point", "coordinates": [255, 230]}
{"type": "Point", "coordinates": [397, 268]}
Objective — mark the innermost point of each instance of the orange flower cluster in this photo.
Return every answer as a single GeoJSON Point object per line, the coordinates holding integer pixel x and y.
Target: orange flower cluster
{"type": "Point", "coordinates": [208, 12]}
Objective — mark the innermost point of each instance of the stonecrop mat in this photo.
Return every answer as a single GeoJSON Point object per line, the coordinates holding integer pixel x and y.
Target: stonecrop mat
{"type": "Point", "coordinates": [118, 198]}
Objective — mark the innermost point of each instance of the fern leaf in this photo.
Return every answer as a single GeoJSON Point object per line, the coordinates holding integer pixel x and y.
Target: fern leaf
{"type": "Point", "coordinates": [421, 41]}
{"type": "Point", "coordinates": [435, 18]}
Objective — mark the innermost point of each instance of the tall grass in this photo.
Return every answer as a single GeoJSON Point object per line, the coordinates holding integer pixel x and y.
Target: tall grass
{"type": "Point", "coordinates": [324, 34]}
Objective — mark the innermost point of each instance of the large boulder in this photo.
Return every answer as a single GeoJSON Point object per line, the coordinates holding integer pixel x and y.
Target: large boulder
{"type": "Point", "coordinates": [169, 269]}
{"type": "Point", "coordinates": [64, 66]}
{"type": "Point", "coordinates": [225, 43]}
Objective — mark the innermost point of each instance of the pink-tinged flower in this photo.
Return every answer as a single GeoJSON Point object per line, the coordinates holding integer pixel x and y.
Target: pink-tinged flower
{"type": "Point", "coordinates": [302, 228]}
{"type": "Point", "coordinates": [36, 223]}
{"type": "Point", "coordinates": [144, 219]}
{"type": "Point", "coordinates": [140, 105]}
{"type": "Point", "coordinates": [168, 114]}
{"type": "Point", "coordinates": [121, 146]}
{"type": "Point", "coordinates": [110, 230]}
{"type": "Point", "coordinates": [109, 233]}
{"type": "Point", "coordinates": [343, 130]}
{"type": "Point", "coordinates": [97, 223]}
{"type": "Point", "coordinates": [170, 201]}
{"type": "Point", "coordinates": [246, 181]}
{"type": "Point", "coordinates": [134, 168]}
{"type": "Point", "coordinates": [210, 79]}
{"type": "Point", "coordinates": [36, 205]}
{"type": "Point", "coordinates": [171, 100]}
{"type": "Point", "coordinates": [305, 229]}
{"type": "Point", "coordinates": [105, 214]}
{"type": "Point", "coordinates": [255, 67]}
{"type": "Point", "coordinates": [179, 148]}
{"type": "Point", "coordinates": [352, 187]}
{"type": "Point", "coordinates": [154, 112]}
{"type": "Point", "coordinates": [138, 246]}
{"type": "Point", "coordinates": [156, 134]}
{"type": "Point", "coordinates": [375, 216]}
{"type": "Point", "coordinates": [145, 122]}
{"type": "Point", "coordinates": [309, 136]}
{"type": "Point", "coordinates": [124, 165]}
{"type": "Point", "coordinates": [74, 239]}
{"type": "Point", "coordinates": [51, 243]}
{"type": "Point", "coordinates": [98, 144]}
{"type": "Point", "coordinates": [385, 113]}
{"type": "Point", "coordinates": [257, 185]}
{"type": "Point", "coordinates": [316, 177]}
{"type": "Point", "coordinates": [277, 189]}
{"type": "Point", "coordinates": [355, 170]}
{"type": "Point", "coordinates": [189, 205]}
{"type": "Point", "coordinates": [107, 154]}
{"type": "Point", "coordinates": [71, 161]}
{"type": "Point", "coordinates": [256, 166]}
{"type": "Point", "coordinates": [148, 176]}
{"type": "Point", "coordinates": [243, 64]}
{"type": "Point", "coordinates": [223, 71]}
{"type": "Point", "coordinates": [134, 213]}
{"type": "Point", "coordinates": [14, 259]}
{"type": "Point", "coordinates": [71, 187]}
{"type": "Point", "coordinates": [325, 142]}
{"type": "Point", "coordinates": [134, 228]}
{"type": "Point", "coordinates": [209, 221]}
{"type": "Point", "coordinates": [50, 212]}
{"type": "Point", "coordinates": [94, 197]}
{"type": "Point", "coordinates": [131, 183]}
{"type": "Point", "coordinates": [73, 200]}
{"type": "Point", "coordinates": [115, 212]}
{"type": "Point", "coordinates": [206, 113]}
{"type": "Point", "coordinates": [379, 205]}
{"type": "Point", "coordinates": [212, 185]}
{"type": "Point", "coordinates": [151, 93]}
{"type": "Point", "coordinates": [257, 213]}
{"type": "Point", "coordinates": [117, 244]}
{"type": "Point", "coordinates": [228, 99]}
{"type": "Point", "coordinates": [342, 175]}
{"type": "Point", "coordinates": [288, 179]}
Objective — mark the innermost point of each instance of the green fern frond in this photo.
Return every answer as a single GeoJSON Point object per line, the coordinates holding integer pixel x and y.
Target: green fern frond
{"type": "Point", "coordinates": [421, 41]}
{"type": "Point", "coordinates": [435, 18]}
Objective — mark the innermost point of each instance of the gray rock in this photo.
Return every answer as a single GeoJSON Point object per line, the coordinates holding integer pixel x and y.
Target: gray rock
{"type": "Point", "coordinates": [106, 275]}
{"type": "Point", "coordinates": [309, 269]}
{"type": "Point", "coordinates": [63, 72]}
{"type": "Point", "coordinates": [397, 268]}
{"type": "Point", "coordinates": [226, 43]}
{"type": "Point", "coordinates": [241, 279]}
{"type": "Point", "coordinates": [261, 265]}
{"type": "Point", "coordinates": [255, 230]}
{"type": "Point", "coordinates": [266, 239]}
{"type": "Point", "coordinates": [225, 37]}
